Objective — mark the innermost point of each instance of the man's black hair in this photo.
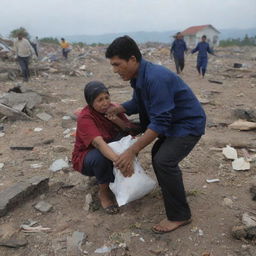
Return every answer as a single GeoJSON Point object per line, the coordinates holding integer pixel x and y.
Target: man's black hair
{"type": "Point", "coordinates": [204, 36]}
{"type": "Point", "coordinates": [123, 47]}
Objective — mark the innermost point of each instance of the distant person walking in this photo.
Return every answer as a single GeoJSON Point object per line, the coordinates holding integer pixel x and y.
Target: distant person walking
{"type": "Point", "coordinates": [65, 48]}
{"type": "Point", "coordinates": [23, 51]}
{"type": "Point", "coordinates": [35, 45]}
{"type": "Point", "coordinates": [178, 49]}
{"type": "Point", "coordinates": [203, 49]}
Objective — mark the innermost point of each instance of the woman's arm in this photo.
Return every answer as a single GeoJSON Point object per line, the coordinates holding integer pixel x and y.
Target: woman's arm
{"type": "Point", "coordinates": [104, 148]}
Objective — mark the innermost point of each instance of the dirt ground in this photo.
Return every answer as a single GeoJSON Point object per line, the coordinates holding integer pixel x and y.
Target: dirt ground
{"type": "Point", "coordinates": [208, 234]}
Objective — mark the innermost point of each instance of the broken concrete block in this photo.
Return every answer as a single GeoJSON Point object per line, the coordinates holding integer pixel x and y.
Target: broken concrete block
{"type": "Point", "coordinates": [44, 116]}
{"type": "Point", "coordinates": [31, 99]}
{"type": "Point", "coordinates": [21, 191]}
{"type": "Point", "coordinates": [58, 165]}
{"type": "Point", "coordinates": [242, 125]}
{"type": "Point", "coordinates": [240, 164]}
{"type": "Point", "coordinates": [229, 152]}
{"type": "Point", "coordinates": [248, 220]}
{"type": "Point", "coordinates": [74, 243]}
{"type": "Point", "coordinates": [13, 113]}
{"type": "Point", "coordinates": [245, 114]}
{"type": "Point", "coordinates": [88, 201]}
{"type": "Point", "coordinates": [242, 232]}
{"type": "Point", "coordinates": [14, 242]}
{"type": "Point", "coordinates": [43, 206]}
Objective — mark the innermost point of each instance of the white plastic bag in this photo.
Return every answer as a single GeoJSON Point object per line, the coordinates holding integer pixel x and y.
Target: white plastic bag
{"type": "Point", "coordinates": [127, 189]}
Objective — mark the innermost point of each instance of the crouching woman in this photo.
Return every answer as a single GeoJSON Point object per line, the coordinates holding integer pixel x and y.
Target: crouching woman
{"type": "Point", "coordinates": [91, 155]}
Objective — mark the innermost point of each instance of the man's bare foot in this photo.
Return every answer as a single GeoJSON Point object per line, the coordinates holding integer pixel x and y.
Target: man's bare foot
{"type": "Point", "coordinates": [107, 199]}
{"type": "Point", "coordinates": [166, 225]}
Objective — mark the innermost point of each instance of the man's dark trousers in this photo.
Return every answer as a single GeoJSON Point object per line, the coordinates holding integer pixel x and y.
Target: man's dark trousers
{"type": "Point", "coordinates": [167, 152]}
{"type": "Point", "coordinates": [23, 62]}
{"type": "Point", "coordinates": [179, 63]}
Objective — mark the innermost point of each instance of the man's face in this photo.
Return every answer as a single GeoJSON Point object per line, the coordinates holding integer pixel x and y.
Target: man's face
{"type": "Point", "coordinates": [179, 36]}
{"type": "Point", "coordinates": [125, 69]}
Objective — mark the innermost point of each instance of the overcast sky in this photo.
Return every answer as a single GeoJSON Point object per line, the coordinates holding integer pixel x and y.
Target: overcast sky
{"type": "Point", "coordinates": [74, 17]}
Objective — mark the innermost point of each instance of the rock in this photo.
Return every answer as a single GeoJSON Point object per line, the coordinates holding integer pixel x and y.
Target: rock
{"type": "Point", "coordinates": [243, 232]}
{"type": "Point", "coordinates": [238, 232]}
{"type": "Point", "coordinates": [31, 99]}
{"type": "Point", "coordinates": [248, 220]}
{"type": "Point", "coordinates": [43, 206]}
{"type": "Point", "coordinates": [12, 113]}
{"type": "Point", "coordinates": [38, 129]}
{"type": "Point", "coordinates": [88, 201]}
{"type": "Point", "coordinates": [14, 242]}
{"type": "Point", "coordinates": [253, 192]}
{"type": "Point", "coordinates": [59, 149]}
{"type": "Point", "coordinates": [240, 164]}
{"type": "Point", "coordinates": [242, 125]}
{"type": "Point", "coordinates": [58, 165]}
{"type": "Point", "coordinates": [19, 192]}
{"type": "Point", "coordinates": [74, 243]}
{"type": "Point", "coordinates": [245, 114]}
{"type": "Point", "coordinates": [227, 202]}
{"type": "Point", "coordinates": [1, 165]}
{"type": "Point", "coordinates": [229, 152]}
{"type": "Point", "coordinates": [44, 116]}
{"type": "Point", "coordinates": [105, 249]}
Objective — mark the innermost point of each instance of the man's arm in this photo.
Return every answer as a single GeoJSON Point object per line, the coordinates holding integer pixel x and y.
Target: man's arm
{"type": "Point", "coordinates": [195, 49]}
{"type": "Point", "coordinates": [209, 50]}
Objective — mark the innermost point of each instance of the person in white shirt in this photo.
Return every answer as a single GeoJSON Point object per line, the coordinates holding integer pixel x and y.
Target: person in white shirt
{"type": "Point", "coordinates": [24, 51]}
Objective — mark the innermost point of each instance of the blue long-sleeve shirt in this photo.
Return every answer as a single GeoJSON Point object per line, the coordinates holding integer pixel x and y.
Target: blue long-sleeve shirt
{"type": "Point", "coordinates": [178, 48]}
{"type": "Point", "coordinates": [165, 103]}
{"type": "Point", "coordinates": [202, 48]}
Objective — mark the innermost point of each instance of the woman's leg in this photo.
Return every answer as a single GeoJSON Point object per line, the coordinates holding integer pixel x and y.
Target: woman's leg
{"type": "Point", "coordinates": [95, 164]}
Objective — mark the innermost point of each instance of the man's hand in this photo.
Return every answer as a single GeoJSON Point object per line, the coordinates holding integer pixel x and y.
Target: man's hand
{"type": "Point", "coordinates": [113, 111]}
{"type": "Point", "coordinates": [125, 163]}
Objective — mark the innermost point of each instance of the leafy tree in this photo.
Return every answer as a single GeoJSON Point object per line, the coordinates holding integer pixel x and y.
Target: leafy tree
{"type": "Point", "coordinates": [246, 41]}
{"type": "Point", "coordinates": [14, 33]}
{"type": "Point", "coordinates": [80, 44]}
{"type": "Point", "coordinates": [49, 40]}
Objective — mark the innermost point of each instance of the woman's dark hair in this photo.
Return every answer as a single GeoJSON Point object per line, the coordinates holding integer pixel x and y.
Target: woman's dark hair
{"type": "Point", "coordinates": [92, 90]}
{"type": "Point", "coordinates": [123, 47]}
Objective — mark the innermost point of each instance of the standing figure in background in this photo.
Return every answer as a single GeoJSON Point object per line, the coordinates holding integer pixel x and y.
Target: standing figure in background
{"type": "Point", "coordinates": [203, 49]}
{"type": "Point", "coordinates": [65, 48]}
{"type": "Point", "coordinates": [35, 45]}
{"type": "Point", "coordinates": [23, 51]}
{"type": "Point", "coordinates": [178, 49]}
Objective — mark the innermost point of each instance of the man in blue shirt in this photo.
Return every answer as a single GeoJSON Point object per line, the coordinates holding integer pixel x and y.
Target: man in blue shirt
{"type": "Point", "coordinates": [202, 57]}
{"type": "Point", "coordinates": [177, 50]}
{"type": "Point", "coordinates": [169, 111]}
